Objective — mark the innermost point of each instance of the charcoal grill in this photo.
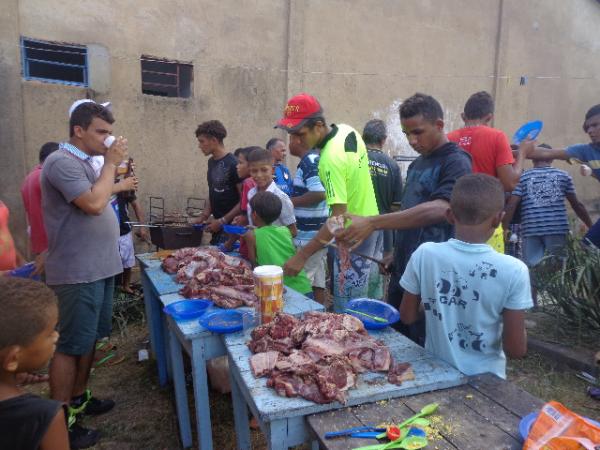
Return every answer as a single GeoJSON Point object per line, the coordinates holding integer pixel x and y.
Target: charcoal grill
{"type": "Point", "coordinates": [173, 230]}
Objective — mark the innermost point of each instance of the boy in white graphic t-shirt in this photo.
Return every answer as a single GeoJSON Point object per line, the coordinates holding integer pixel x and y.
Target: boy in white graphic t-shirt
{"type": "Point", "coordinates": [473, 297]}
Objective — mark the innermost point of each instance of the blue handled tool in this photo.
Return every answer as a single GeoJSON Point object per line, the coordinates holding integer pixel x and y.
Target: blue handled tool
{"type": "Point", "coordinates": [351, 432]}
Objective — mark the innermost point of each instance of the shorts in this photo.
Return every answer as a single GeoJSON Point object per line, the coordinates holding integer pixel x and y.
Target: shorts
{"type": "Point", "coordinates": [126, 250]}
{"type": "Point", "coordinates": [534, 247]}
{"type": "Point", "coordinates": [593, 234]}
{"type": "Point", "coordinates": [315, 266]}
{"type": "Point", "coordinates": [84, 315]}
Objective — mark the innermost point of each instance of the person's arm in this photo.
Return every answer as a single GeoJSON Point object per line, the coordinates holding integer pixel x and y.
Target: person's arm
{"type": "Point", "coordinates": [205, 213]}
{"type": "Point", "coordinates": [293, 229]}
{"type": "Point", "coordinates": [579, 209]}
{"type": "Point", "coordinates": [250, 239]}
{"type": "Point", "coordinates": [514, 335]}
{"type": "Point", "coordinates": [295, 264]}
{"type": "Point", "coordinates": [409, 308]}
{"type": "Point", "coordinates": [56, 437]}
{"type": "Point", "coordinates": [509, 210]}
{"type": "Point", "coordinates": [548, 153]}
{"type": "Point", "coordinates": [126, 184]}
{"type": "Point", "coordinates": [95, 200]}
{"type": "Point", "coordinates": [139, 214]}
{"type": "Point", "coordinates": [418, 216]}
{"type": "Point", "coordinates": [309, 198]}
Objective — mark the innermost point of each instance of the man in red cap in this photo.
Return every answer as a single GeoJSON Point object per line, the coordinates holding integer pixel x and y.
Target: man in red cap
{"type": "Point", "coordinates": [344, 172]}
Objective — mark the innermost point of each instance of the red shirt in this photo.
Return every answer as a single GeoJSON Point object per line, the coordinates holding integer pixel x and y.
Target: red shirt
{"type": "Point", "coordinates": [246, 186]}
{"type": "Point", "coordinates": [31, 192]}
{"type": "Point", "coordinates": [489, 148]}
{"type": "Point", "coordinates": [8, 254]}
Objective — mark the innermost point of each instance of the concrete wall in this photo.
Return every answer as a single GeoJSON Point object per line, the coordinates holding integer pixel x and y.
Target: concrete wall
{"type": "Point", "coordinates": [359, 57]}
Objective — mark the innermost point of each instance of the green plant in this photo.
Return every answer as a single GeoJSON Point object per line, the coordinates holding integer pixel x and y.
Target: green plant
{"type": "Point", "coordinates": [127, 309]}
{"type": "Point", "coordinates": [572, 292]}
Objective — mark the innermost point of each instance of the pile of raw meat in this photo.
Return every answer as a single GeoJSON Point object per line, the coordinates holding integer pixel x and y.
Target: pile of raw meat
{"type": "Point", "coordinates": [320, 356]}
{"type": "Point", "coordinates": [209, 273]}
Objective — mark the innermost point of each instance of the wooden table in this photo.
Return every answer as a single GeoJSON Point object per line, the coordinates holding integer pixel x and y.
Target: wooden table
{"type": "Point", "coordinates": [202, 345]}
{"type": "Point", "coordinates": [156, 282]}
{"type": "Point", "coordinates": [283, 420]}
{"type": "Point", "coordinates": [482, 414]}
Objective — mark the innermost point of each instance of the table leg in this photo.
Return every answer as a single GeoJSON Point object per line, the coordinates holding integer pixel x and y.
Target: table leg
{"type": "Point", "coordinates": [201, 395]}
{"type": "Point", "coordinates": [240, 412]}
{"type": "Point", "coordinates": [165, 329]}
{"type": "Point", "coordinates": [157, 334]}
{"type": "Point", "coordinates": [181, 400]}
{"type": "Point", "coordinates": [277, 435]}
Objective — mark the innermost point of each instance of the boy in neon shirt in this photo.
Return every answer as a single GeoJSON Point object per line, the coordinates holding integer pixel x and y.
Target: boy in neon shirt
{"type": "Point", "coordinates": [270, 244]}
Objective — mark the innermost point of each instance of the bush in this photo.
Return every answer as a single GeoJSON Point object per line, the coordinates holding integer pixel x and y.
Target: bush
{"type": "Point", "coordinates": [572, 292]}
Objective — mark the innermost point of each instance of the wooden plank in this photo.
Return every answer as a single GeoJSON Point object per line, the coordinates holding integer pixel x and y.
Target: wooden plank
{"type": "Point", "coordinates": [461, 425]}
{"type": "Point", "coordinates": [336, 421]}
{"type": "Point", "coordinates": [509, 395]}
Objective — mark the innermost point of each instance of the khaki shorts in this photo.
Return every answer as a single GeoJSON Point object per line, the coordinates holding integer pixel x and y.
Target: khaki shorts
{"type": "Point", "coordinates": [315, 267]}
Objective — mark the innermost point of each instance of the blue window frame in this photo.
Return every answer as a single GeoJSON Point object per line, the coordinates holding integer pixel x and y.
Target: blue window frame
{"type": "Point", "coordinates": [54, 62]}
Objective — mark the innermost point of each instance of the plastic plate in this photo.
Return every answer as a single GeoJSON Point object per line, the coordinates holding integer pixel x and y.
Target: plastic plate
{"type": "Point", "coordinates": [234, 229]}
{"type": "Point", "coordinates": [25, 272]}
{"type": "Point", "coordinates": [223, 321]}
{"type": "Point", "coordinates": [375, 308]}
{"type": "Point", "coordinates": [199, 226]}
{"type": "Point", "coordinates": [529, 130]}
{"type": "Point", "coordinates": [187, 309]}
{"type": "Point", "coordinates": [527, 422]}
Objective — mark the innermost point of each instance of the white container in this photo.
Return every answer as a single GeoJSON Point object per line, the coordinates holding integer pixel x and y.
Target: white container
{"type": "Point", "coordinates": [109, 141]}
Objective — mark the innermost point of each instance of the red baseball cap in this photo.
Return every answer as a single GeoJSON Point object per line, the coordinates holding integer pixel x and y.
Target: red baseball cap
{"type": "Point", "coordinates": [298, 110]}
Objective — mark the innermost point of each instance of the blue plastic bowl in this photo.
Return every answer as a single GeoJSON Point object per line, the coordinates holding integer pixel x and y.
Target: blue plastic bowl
{"type": "Point", "coordinates": [187, 309]}
{"type": "Point", "coordinates": [223, 320]}
{"type": "Point", "coordinates": [527, 422]}
{"type": "Point", "coordinates": [529, 130]}
{"type": "Point", "coordinates": [375, 308]}
{"type": "Point", "coordinates": [25, 272]}
{"type": "Point", "coordinates": [199, 226]}
{"type": "Point", "coordinates": [234, 229]}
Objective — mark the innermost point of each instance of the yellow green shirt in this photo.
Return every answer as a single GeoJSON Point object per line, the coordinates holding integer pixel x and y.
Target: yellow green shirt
{"type": "Point", "coordinates": [344, 171]}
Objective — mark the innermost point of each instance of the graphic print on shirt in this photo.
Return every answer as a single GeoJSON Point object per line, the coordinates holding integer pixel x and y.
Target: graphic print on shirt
{"type": "Point", "coordinates": [544, 191]}
{"type": "Point", "coordinates": [465, 338]}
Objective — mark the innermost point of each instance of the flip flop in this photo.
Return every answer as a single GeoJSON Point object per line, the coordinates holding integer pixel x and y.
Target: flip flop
{"type": "Point", "coordinates": [112, 359]}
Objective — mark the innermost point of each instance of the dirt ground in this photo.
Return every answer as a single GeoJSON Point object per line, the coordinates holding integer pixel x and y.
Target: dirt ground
{"type": "Point", "coordinates": [144, 417]}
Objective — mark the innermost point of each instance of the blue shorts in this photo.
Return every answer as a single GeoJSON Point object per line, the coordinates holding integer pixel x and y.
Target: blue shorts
{"type": "Point", "coordinates": [534, 247]}
{"type": "Point", "coordinates": [593, 234]}
{"type": "Point", "coordinates": [84, 315]}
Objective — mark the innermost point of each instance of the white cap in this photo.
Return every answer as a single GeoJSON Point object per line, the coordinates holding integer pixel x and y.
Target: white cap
{"type": "Point", "coordinates": [76, 103]}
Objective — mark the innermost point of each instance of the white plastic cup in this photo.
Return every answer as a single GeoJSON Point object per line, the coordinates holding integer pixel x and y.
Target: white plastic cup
{"type": "Point", "coordinates": [109, 141]}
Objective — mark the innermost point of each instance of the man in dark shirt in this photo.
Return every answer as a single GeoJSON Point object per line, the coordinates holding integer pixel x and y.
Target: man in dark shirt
{"type": "Point", "coordinates": [426, 197]}
{"type": "Point", "coordinates": [385, 174]}
{"type": "Point", "coordinates": [224, 185]}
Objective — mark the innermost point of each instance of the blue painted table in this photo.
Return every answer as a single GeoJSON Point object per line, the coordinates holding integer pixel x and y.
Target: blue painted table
{"type": "Point", "coordinates": [283, 420]}
{"type": "Point", "coordinates": [201, 345]}
{"type": "Point", "coordinates": [156, 282]}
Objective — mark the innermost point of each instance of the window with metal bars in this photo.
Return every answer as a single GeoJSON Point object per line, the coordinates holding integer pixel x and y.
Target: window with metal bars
{"type": "Point", "coordinates": [54, 62]}
{"type": "Point", "coordinates": [166, 78]}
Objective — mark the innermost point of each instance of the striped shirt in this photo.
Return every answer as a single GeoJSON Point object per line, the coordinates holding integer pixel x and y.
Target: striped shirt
{"type": "Point", "coordinates": [75, 151]}
{"type": "Point", "coordinates": [309, 218]}
{"type": "Point", "coordinates": [543, 191]}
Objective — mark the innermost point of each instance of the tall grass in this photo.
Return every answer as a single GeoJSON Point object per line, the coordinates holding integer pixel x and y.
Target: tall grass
{"type": "Point", "coordinates": [572, 292]}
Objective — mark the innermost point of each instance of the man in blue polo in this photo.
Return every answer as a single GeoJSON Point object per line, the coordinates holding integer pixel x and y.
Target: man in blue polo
{"type": "Point", "coordinates": [344, 172]}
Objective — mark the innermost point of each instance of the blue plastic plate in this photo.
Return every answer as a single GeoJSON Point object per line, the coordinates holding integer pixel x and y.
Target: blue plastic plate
{"type": "Point", "coordinates": [187, 309]}
{"type": "Point", "coordinates": [234, 229]}
{"type": "Point", "coordinates": [376, 308]}
{"type": "Point", "coordinates": [529, 130]}
{"type": "Point", "coordinates": [25, 272]}
{"type": "Point", "coordinates": [199, 226]}
{"type": "Point", "coordinates": [223, 321]}
{"type": "Point", "coordinates": [527, 422]}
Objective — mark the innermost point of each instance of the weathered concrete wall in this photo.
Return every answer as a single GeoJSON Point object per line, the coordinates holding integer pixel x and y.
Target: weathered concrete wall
{"type": "Point", "coordinates": [359, 57]}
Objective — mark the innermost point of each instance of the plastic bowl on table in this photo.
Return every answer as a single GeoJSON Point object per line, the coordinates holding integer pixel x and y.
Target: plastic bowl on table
{"type": "Point", "coordinates": [25, 271]}
{"type": "Point", "coordinates": [530, 130]}
{"type": "Point", "coordinates": [527, 422]}
{"type": "Point", "coordinates": [188, 309]}
{"type": "Point", "coordinates": [234, 229]}
{"type": "Point", "coordinates": [223, 320]}
{"type": "Point", "coordinates": [375, 308]}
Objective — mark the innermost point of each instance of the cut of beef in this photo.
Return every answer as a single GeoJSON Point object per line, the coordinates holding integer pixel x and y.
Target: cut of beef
{"type": "Point", "coordinates": [263, 363]}
{"type": "Point", "coordinates": [208, 273]}
{"type": "Point", "coordinates": [400, 372]}
{"type": "Point", "coordinates": [320, 355]}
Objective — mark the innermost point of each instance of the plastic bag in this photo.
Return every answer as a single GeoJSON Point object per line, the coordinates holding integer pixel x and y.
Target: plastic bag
{"type": "Point", "coordinates": [218, 374]}
{"type": "Point", "coordinates": [558, 428]}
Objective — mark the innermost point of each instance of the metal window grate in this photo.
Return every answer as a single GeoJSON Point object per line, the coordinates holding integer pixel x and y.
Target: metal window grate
{"type": "Point", "coordinates": [166, 78]}
{"type": "Point", "coordinates": [54, 62]}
